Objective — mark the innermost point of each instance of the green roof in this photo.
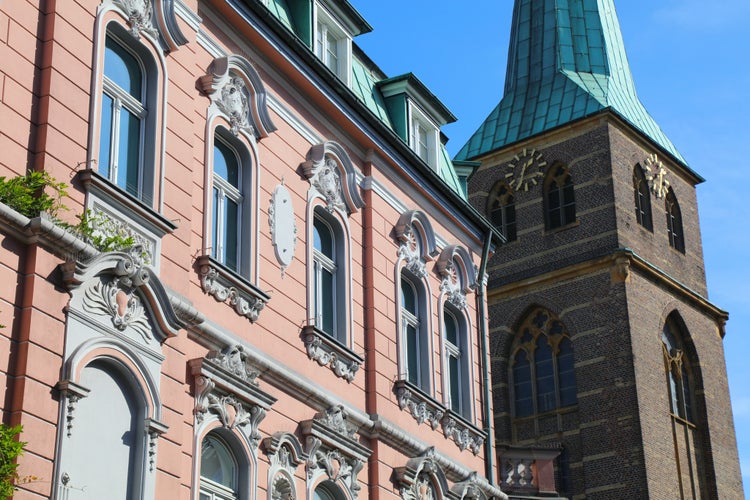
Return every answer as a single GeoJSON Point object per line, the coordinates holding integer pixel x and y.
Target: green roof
{"type": "Point", "coordinates": [566, 61]}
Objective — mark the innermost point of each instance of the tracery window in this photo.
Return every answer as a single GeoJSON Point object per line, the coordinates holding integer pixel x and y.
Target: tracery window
{"type": "Point", "coordinates": [502, 210]}
{"type": "Point", "coordinates": [674, 222]}
{"type": "Point", "coordinates": [559, 197]}
{"type": "Point", "coordinates": [542, 368]}
{"type": "Point", "coordinates": [642, 198]}
{"type": "Point", "coordinates": [678, 377]}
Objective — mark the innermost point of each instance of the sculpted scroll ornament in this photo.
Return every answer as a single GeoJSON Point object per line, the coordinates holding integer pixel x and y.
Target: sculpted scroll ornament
{"type": "Point", "coordinates": [235, 361]}
{"type": "Point", "coordinates": [463, 435]}
{"type": "Point", "coordinates": [140, 16]}
{"type": "Point", "coordinates": [451, 286]}
{"type": "Point", "coordinates": [117, 298]}
{"type": "Point", "coordinates": [410, 251]}
{"type": "Point", "coordinates": [327, 181]}
{"type": "Point", "coordinates": [420, 409]}
{"type": "Point", "coordinates": [328, 352]}
{"type": "Point", "coordinates": [337, 466]}
{"type": "Point", "coordinates": [234, 104]}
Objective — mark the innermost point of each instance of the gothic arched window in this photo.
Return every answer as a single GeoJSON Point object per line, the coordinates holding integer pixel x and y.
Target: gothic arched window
{"type": "Point", "coordinates": [501, 209]}
{"type": "Point", "coordinates": [559, 198]}
{"type": "Point", "coordinates": [642, 200]}
{"type": "Point", "coordinates": [678, 373]}
{"type": "Point", "coordinates": [542, 371]}
{"type": "Point", "coordinates": [674, 222]}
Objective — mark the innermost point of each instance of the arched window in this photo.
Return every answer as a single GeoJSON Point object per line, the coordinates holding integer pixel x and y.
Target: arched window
{"type": "Point", "coordinates": [329, 273]}
{"type": "Point", "coordinates": [682, 375]}
{"type": "Point", "coordinates": [674, 222]}
{"type": "Point", "coordinates": [678, 377]}
{"type": "Point", "coordinates": [124, 111]}
{"type": "Point", "coordinates": [502, 210]}
{"type": "Point", "coordinates": [327, 490]}
{"type": "Point", "coordinates": [642, 198]}
{"type": "Point", "coordinates": [559, 197]}
{"type": "Point", "coordinates": [219, 470]}
{"type": "Point", "coordinates": [415, 346]}
{"type": "Point", "coordinates": [457, 362]}
{"type": "Point", "coordinates": [111, 420]}
{"type": "Point", "coordinates": [227, 205]}
{"type": "Point", "coordinates": [542, 368]}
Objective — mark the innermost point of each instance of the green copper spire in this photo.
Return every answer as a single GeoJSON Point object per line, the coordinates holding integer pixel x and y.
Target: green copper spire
{"type": "Point", "coordinates": [566, 61]}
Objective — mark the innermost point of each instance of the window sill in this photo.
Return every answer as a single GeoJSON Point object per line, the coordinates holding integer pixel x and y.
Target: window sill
{"type": "Point", "coordinates": [465, 434]}
{"type": "Point", "coordinates": [421, 406]}
{"type": "Point", "coordinates": [573, 224]}
{"type": "Point", "coordinates": [328, 351]}
{"type": "Point", "coordinates": [223, 284]}
{"type": "Point", "coordinates": [125, 202]}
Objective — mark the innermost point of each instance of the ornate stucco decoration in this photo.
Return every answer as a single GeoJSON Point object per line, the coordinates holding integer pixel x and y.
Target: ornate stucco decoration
{"type": "Point", "coordinates": [285, 454]}
{"type": "Point", "coordinates": [236, 90]}
{"type": "Point", "coordinates": [72, 393]}
{"type": "Point", "coordinates": [462, 433]}
{"type": "Point", "coordinates": [332, 449]}
{"type": "Point", "coordinates": [656, 175]}
{"type": "Point", "coordinates": [332, 176]}
{"type": "Point", "coordinates": [283, 225]}
{"type": "Point", "coordinates": [416, 240]}
{"type": "Point", "coordinates": [223, 285]}
{"type": "Point", "coordinates": [104, 224]}
{"type": "Point", "coordinates": [422, 407]}
{"type": "Point", "coordinates": [156, 18]}
{"type": "Point", "coordinates": [139, 14]}
{"type": "Point", "coordinates": [421, 478]}
{"type": "Point", "coordinates": [328, 352]}
{"type": "Point", "coordinates": [226, 389]}
{"type": "Point", "coordinates": [457, 273]}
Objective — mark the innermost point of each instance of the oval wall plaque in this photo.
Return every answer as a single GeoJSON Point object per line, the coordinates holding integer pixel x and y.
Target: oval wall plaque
{"type": "Point", "coordinates": [283, 227]}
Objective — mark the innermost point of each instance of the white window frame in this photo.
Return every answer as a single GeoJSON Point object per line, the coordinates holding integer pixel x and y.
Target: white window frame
{"type": "Point", "coordinates": [228, 192]}
{"type": "Point", "coordinates": [327, 28]}
{"type": "Point", "coordinates": [420, 125]}
{"type": "Point", "coordinates": [122, 99]}
{"type": "Point", "coordinates": [456, 352]}
{"type": "Point", "coordinates": [422, 344]}
{"type": "Point", "coordinates": [322, 262]}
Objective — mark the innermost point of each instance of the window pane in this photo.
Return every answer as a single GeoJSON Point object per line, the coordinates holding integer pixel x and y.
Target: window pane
{"type": "Point", "coordinates": [455, 383]}
{"type": "Point", "coordinates": [122, 68]}
{"type": "Point", "coordinates": [566, 373]}
{"type": "Point", "coordinates": [412, 354]}
{"type": "Point", "coordinates": [451, 329]}
{"type": "Point", "coordinates": [326, 305]}
{"type": "Point", "coordinates": [687, 400]}
{"type": "Point", "coordinates": [522, 388]}
{"type": "Point", "coordinates": [408, 299]}
{"type": "Point", "coordinates": [217, 463]}
{"type": "Point", "coordinates": [545, 376]}
{"type": "Point", "coordinates": [216, 233]}
{"type": "Point", "coordinates": [105, 137]}
{"type": "Point", "coordinates": [323, 239]}
{"type": "Point", "coordinates": [226, 165]}
{"type": "Point", "coordinates": [129, 153]}
{"type": "Point", "coordinates": [230, 234]}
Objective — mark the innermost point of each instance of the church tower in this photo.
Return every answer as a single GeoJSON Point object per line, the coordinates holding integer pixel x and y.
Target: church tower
{"type": "Point", "coordinates": [605, 346]}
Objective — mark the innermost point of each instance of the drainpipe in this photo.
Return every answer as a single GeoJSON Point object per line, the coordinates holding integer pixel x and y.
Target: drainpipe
{"type": "Point", "coordinates": [489, 447]}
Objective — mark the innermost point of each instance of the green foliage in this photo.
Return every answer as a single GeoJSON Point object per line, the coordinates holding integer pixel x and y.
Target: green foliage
{"type": "Point", "coordinates": [10, 449]}
{"type": "Point", "coordinates": [33, 193]}
{"type": "Point", "coordinates": [103, 233]}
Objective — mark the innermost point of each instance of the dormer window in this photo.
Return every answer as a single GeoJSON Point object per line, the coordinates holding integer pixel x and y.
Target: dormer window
{"type": "Point", "coordinates": [332, 44]}
{"type": "Point", "coordinates": [424, 137]}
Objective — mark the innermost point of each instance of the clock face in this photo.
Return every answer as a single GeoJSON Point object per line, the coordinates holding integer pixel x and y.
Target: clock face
{"type": "Point", "coordinates": [525, 170]}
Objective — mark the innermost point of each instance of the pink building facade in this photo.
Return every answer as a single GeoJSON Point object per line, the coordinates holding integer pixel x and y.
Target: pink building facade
{"type": "Point", "coordinates": [302, 312]}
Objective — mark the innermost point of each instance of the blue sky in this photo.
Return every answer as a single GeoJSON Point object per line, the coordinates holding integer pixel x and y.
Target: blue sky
{"type": "Point", "coordinates": [691, 64]}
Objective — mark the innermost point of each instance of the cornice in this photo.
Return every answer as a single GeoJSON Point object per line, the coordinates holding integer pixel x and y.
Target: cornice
{"type": "Point", "coordinates": [620, 261]}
